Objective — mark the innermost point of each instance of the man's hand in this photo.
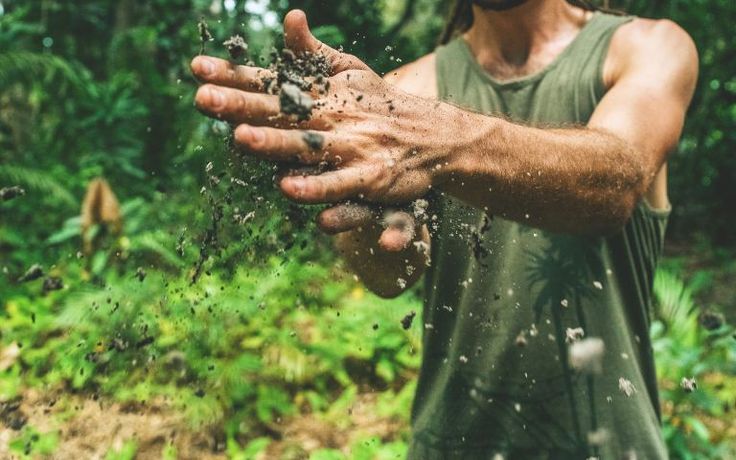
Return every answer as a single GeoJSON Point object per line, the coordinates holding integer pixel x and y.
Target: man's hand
{"type": "Point", "coordinates": [374, 136]}
{"type": "Point", "coordinates": [368, 133]}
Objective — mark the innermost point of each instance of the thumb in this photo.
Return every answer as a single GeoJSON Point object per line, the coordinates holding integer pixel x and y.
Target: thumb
{"type": "Point", "coordinates": [299, 39]}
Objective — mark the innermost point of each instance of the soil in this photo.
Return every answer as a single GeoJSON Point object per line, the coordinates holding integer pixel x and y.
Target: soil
{"type": "Point", "coordinates": [294, 102]}
{"type": "Point", "coordinates": [89, 428]}
{"type": "Point", "coordinates": [33, 273]}
{"type": "Point", "coordinates": [236, 47]}
{"type": "Point", "coordinates": [296, 75]}
{"type": "Point", "coordinates": [408, 319]}
{"type": "Point", "coordinates": [204, 34]}
{"type": "Point", "coordinates": [51, 283]}
{"type": "Point", "coordinates": [9, 193]}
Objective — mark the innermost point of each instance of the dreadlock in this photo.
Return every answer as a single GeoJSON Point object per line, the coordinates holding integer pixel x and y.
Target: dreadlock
{"type": "Point", "coordinates": [461, 16]}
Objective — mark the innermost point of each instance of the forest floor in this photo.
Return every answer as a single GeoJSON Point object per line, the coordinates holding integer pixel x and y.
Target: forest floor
{"type": "Point", "coordinates": [89, 428]}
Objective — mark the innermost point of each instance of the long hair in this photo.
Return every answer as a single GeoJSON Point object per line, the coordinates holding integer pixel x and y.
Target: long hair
{"type": "Point", "coordinates": [461, 16]}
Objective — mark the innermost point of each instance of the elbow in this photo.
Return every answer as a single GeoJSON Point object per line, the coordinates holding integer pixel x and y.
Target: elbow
{"type": "Point", "coordinates": [630, 189]}
{"type": "Point", "coordinates": [619, 212]}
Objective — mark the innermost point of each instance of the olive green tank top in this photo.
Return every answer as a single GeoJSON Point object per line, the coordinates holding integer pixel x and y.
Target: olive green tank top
{"type": "Point", "coordinates": [504, 301]}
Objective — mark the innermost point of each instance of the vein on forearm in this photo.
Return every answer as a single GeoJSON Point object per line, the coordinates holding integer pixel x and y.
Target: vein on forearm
{"type": "Point", "coordinates": [571, 180]}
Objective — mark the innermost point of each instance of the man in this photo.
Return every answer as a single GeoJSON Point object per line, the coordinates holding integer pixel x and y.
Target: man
{"type": "Point", "coordinates": [541, 133]}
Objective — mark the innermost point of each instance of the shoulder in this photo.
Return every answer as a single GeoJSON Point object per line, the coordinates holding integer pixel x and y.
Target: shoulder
{"type": "Point", "coordinates": [658, 47]}
{"type": "Point", "coordinates": [418, 78]}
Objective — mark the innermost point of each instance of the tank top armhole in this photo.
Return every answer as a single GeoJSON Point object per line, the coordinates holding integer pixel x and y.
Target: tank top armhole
{"type": "Point", "coordinates": [605, 45]}
{"type": "Point", "coordinates": [439, 65]}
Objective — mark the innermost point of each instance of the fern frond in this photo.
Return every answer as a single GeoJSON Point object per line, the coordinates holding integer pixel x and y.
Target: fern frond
{"type": "Point", "coordinates": [25, 67]}
{"type": "Point", "coordinates": [38, 181]}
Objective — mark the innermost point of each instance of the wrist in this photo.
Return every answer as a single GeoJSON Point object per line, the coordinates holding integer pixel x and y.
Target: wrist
{"type": "Point", "coordinates": [462, 138]}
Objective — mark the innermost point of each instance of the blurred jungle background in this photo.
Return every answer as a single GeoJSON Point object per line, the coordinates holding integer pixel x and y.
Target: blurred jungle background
{"type": "Point", "coordinates": [108, 349]}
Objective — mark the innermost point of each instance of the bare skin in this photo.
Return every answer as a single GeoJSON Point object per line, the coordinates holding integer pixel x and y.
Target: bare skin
{"type": "Point", "coordinates": [385, 149]}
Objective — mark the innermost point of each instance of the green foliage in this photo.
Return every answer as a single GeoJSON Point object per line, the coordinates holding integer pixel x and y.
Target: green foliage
{"type": "Point", "coordinates": [685, 349]}
{"type": "Point", "coordinates": [31, 443]}
{"type": "Point", "coordinates": [238, 353]}
{"type": "Point", "coordinates": [272, 330]}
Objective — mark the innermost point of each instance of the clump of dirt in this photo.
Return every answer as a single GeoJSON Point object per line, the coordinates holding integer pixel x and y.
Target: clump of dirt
{"type": "Point", "coordinates": [480, 252]}
{"type": "Point", "coordinates": [587, 355]}
{"type": "Point", "coordinates": [204, 34]}
{"type": "Point", "coordinates": [408, 319]}
{"type": "Point", "coordinates": [236, 46]}
{"type": "Point", "coordinates": [33, 273]}
{"type": "Point", "coordinates": [688, 384]}
{"type": "Point", "coordinates": [711, 320]}
{"type": "Point", "coordinates": [294, 77]}
{"type": "Point", "coordinates": [294, 102]}
{"type": "Point", "coordinates": [10, 193]}
{"type": "Point", "coordinates": [51, 283]}
{"type": "Point", "coordinates": [314, 140]}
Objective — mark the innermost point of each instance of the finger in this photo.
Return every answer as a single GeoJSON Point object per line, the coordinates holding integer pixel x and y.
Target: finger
{"type": "Point", "coordinates": [346, 216]}
{"type": "Point", "coordinates": [329, 187]}
{"type": "Point", "coordinates": [396, 240]}
{"type": "Point", "coordinates": [400, 231]}
{"type": "Point", "coordinates": [299, 38]}
{"type": "Point", "coordinates": [237, 106]}
{"type": "Point", "coordinates": [225, 73]}
{"type": "Point", "coordinates": [292, 145]}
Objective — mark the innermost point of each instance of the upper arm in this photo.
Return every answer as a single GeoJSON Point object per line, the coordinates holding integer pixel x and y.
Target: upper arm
{"type": "Point", "coordinates": [651, 70]}
{"type": "Point", "coordinates": [418, 78]}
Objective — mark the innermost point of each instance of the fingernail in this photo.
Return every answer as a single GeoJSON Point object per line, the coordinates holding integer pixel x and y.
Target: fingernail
{"type": "Point", "coordinates": [206, 67]}
{"type": "Point", "coordinates": [297, 186]}
{"type": "Point", "coordinates": [216, 98]}
{"type": "Point", "coordinates": [257, 136]}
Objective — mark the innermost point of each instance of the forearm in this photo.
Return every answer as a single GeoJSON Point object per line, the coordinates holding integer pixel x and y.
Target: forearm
{"type": "Point", "coordinates": [385, 273]}
{"type": "Point", "coordinates": [575, 180]}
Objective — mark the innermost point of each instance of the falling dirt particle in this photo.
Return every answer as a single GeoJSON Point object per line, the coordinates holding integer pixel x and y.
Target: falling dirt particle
{"type": "Point", "coordinates": [9, 193]}
{"type": "Point", "coordinates": [236, 46]}
{"type": "Point", "coordinates": [314, 140]}
{"type": "Point", "coordinates": [463, 359]}
{"type": "Point", "coordinates": [408, 319]}
{"type": "Point", "coordinates": [52, 283]}
{"type": "Point", "coordinates": [199, 393]}
{"type": "Point", "coordinates": [598, 437]}
{"type": "Point", "coordinates": [140, 273]}
{"type": "Point", "coordinates": [564, 303]}
{"type": "Point", "coordinates": [204, 35]}
{"type": "Point", "coordinates": [144, 342]}
{"type": "Point", "coordinates": [33, 273]}
{"type": "Point", "coordinates": [294, 102]}
{"type": "Point", "coordinates": [598, 285]}
{"type": "Point", "coordinates": [401, 282]}
{"type": "Point", "coordinates": [375, 326]}
{"type": "Point", "coordinates": [711, 320]}
{"type": "Point", "coordinates": [574, 334]}
{"type": "Point", "coordinates": [688, 384]}
{"type": "Point", "coordinates": [587, 355]}
{"type": "Point", "coordinates": [521, 340]}
{"type": "Point", "coordinates": [626, 387]}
